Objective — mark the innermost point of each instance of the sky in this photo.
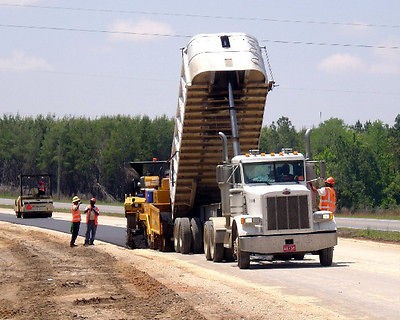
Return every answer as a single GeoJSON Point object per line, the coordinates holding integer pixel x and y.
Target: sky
{"type": "Point", "coordinates": [92, 58]}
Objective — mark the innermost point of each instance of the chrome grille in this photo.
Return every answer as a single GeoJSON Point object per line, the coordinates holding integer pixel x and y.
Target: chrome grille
{"type": "Point", "coordinates": [289, 212]}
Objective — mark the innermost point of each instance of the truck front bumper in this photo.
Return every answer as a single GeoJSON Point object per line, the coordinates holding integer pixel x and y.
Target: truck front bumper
{"type": "Point", "coordinates": [288, 243]}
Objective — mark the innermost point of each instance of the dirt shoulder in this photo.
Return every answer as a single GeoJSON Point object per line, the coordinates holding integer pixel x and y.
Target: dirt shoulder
{"type": "Point", "coordinates": [41, 277]}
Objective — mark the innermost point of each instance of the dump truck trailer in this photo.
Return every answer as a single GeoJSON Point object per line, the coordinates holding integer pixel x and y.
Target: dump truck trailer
{"type": "Point", "coordinates": [214, 206]}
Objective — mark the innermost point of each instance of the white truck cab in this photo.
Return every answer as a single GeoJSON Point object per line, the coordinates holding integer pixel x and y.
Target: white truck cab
{"type": "Point", "coordinates": [271, 209]}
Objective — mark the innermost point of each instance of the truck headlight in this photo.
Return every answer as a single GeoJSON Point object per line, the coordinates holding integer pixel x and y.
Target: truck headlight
{"type": "Point", "coordinates": [250, 220]}
{"type": "Point", "coordinates": [320, 216]}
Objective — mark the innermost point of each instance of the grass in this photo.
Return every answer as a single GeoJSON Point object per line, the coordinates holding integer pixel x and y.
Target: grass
{"type": "Point", "coordinates": [368, 234]}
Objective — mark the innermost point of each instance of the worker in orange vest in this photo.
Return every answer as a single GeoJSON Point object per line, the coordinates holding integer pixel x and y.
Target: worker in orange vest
{"type": "Point", "coordinates": [92, 214]}
{"type": "Point", "coordinates": [41, 188]}
{"type": "Point", "coordinates": [327, 195]}
{"type": "Point", "coordinates": [76, 220]}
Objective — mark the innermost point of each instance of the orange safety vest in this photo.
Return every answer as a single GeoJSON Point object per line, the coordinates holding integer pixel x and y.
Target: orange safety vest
{"type": "Point", "coordinates": [328, 201]}
{"type": "Point", "coordinates": [76, 213]}
{"type": "Point", "coordinates": [41, 186]}
{"type": "Point", "coordinates": [96, 214]}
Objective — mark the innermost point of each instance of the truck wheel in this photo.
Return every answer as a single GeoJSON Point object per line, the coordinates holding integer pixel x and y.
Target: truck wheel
{"type": "Point", "coordinates": [216, 249]}
{"type": "Point", "coordinates": [326, 257]}
{"type": "Point", "coordinates": [243, 257]}
{"type": "Point", "coordinates": [151, 241]}
{"type": "Point", "coordinates": [185, 236]}
{"type": "Point", "coordinates": [206, 240]}
{"type": "Point", "coordinates": [129, 239]}
{"type": "Point", "coordinates": [130, 227]}
{"type": "Point", "coordinates": [163, 244]}
{"type": "Point", "coordinates": [177, 229]}
{"type": "Point", "coordinates": [167, 232]}
{"type": "Point", "coordinates": [228, 254]}
{"type": "Point", "coordinates": [164, 239]}
{"type": "Point", "coordinates": [197, 241]}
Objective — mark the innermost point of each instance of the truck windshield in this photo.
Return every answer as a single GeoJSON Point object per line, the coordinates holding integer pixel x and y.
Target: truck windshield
{"type": "Point", "coordinates": [271, 172]}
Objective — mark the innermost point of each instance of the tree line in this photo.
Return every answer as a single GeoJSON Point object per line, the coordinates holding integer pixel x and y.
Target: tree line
{"type": "Point", "coordinates": [364, 158]}
{"type": "Point", "coordinates": [84, 156]}
{"type": "Point", "coordinates": [91, 156]}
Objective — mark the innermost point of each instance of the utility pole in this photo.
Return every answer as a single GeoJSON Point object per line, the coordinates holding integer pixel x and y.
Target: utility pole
{"type": "Point", "coordinates": [58, 170]}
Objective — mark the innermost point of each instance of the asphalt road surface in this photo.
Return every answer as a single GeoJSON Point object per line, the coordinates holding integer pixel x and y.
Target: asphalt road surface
{"type": "Point", "coordinates": [112, 232]}
{"type": "Point", "coordinates": [362, 283]}
{"type": "Point", "coordinates": [356, 223]}
{"type": "Point", "coordinates": [373, 224]}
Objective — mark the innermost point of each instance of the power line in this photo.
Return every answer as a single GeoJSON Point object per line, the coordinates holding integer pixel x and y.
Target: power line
{"type": "Point", "coordinates": [331, 44]}
{"type": "Point", "coordinates": [351, 24]}
{"type": "Point", "coordinates": [93, 31]}
{"type": "Point", "coordinates": [189, 36]}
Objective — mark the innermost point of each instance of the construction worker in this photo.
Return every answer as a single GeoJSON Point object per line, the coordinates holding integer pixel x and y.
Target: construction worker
{"type": "Point", "coordinates": [41, 188]}
{"type": "Point", "coordinates": [76, 220]}
{"type": "Point", "coordinates": [327, 195]}
{"type": "Point", "coordinates": [92, 214]}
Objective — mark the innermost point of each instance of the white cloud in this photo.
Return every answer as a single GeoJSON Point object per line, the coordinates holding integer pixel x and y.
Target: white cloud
{"type": "Point", "coordinates": [133, 31]}
{"type": "Point", "coordinates": [19, 61]}
{"type": "Point", "coordinates": [340, 63]}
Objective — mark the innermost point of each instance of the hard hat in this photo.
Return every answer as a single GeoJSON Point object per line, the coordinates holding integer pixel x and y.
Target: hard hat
{"type": "Point", "coordinates": [330, 180]}
{"type": "Point", "coordinates": [93, 200]}
{"type": "Point", "coordinates": [75, 199]}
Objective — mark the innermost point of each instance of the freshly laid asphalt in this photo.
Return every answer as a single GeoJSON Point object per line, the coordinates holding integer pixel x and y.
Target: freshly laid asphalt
{"type": "Point", "coordinates": [108, 233]}
{"type": "Point", "coordinates": [112, 235]}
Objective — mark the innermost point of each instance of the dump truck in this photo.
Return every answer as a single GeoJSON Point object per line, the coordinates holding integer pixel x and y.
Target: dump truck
{"type": "Point", "coordinates": [226, 198]}
{"type": "Point", "coordinates": [35, 196]}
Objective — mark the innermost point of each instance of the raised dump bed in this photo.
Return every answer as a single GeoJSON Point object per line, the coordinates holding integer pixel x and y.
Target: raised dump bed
{"type": "Point", "coordinates": [209, 63]}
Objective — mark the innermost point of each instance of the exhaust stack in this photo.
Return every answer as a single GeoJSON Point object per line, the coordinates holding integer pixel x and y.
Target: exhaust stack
{"type": "Point", "coordinates": [234, 126]}
{"type": "Point", "coordinates": [308, 144]}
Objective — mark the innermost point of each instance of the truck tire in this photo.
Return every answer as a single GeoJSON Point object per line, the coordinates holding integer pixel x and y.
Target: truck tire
{"type": "Point", "coordinates": [185, 236]}
{"type": "Point", "coordinates": [130, 227]}
{"type": "Point", "coordinates": [177, 231]}
{"type": "Point", "coordinates": [216, 249]}
{"type": "Point", "coordinates": [168, 229]}
{"type": "Point", "coordinates": [243, 260]}
{"type": "Point", "coordinates": [243, 257]}
{"type": "Point", "coordinates": [206, 240]}
{"type": "Point", "coordinates": [326, 257]}
{"type": "Point", "coordinates": [152, 242]}
{"type": "Point", "coordinates": [197, 241]}
{"type": "Point", "coordinates": [228, 255]}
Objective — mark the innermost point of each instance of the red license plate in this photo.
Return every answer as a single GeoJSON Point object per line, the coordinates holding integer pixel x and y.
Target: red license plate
{"type": "Point", "coordinates": [289, 248]}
